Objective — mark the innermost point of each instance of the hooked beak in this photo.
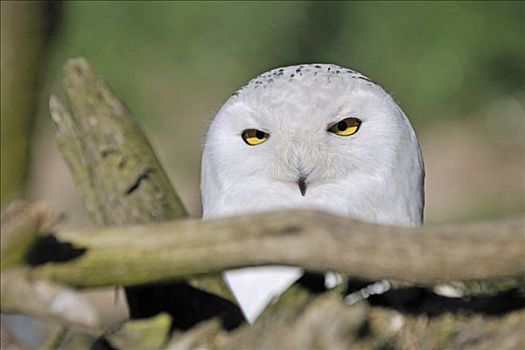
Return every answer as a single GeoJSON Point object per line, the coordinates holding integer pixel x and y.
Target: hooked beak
{"type": "Point", "coordinates": [301, 182]}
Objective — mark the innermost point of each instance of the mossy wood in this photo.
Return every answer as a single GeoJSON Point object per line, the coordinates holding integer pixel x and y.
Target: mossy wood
{"type": "Point", "coordinates": [317, 241]}
{"type": "Point", "coordinates": [111, 161]}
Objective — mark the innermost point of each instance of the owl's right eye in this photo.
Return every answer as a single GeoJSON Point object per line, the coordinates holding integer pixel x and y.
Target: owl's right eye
{"type": "Point", "coordinates": [254, 137]}
{"type": "Point", "coordinates": [345, 127]}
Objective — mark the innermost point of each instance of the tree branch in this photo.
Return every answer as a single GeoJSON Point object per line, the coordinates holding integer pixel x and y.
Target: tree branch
{"type": "Point", "coordinates": [314, 240]}
{"type": "Point", "coordinates": [113, 165]}
{"type": "Point", "coordinates": [115, 169]}
{"type": "Point", "coordinates": [21, 222]}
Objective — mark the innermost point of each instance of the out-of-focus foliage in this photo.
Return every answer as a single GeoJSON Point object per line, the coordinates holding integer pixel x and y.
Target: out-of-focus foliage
{"type": "Point", "coordinates": [25, 30]}
{"type": "Point", "coordinates": [439, 59]}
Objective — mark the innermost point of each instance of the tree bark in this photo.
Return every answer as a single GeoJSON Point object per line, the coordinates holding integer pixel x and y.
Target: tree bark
{"type": "Point", "coordinates": [122, 182]}
{"type": "Point", "coordinates": [316, 241]}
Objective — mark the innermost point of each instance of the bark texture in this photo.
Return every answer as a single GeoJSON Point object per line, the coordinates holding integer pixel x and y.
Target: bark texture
{"type": "Point", "coordinates": [317, 241]}
{"type": "Point", "coordinates": [122, 182]}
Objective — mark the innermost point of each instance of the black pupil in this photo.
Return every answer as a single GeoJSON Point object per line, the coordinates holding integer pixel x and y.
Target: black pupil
{"type": "Point", "coordinates": [342, 126]}
{"type": "Point", "coordinates": [259, 134]}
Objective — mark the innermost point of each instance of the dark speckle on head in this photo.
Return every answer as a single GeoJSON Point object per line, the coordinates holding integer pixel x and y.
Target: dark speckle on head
{"type": "Point", "coordinates": [296, 73]}
{"type": "Point", "coordinates": [365, 78]}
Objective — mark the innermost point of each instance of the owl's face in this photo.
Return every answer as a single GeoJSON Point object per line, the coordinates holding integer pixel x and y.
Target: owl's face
{"type": "Point", "coordinates": [317, 136]}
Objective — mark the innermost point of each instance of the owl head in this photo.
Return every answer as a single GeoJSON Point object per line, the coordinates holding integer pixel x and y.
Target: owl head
{"type": "Point", "coordinates": [313, 136]}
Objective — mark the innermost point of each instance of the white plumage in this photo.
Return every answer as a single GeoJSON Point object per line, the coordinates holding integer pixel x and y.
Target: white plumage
{"type": "Point", "coordinates": [303, 157]}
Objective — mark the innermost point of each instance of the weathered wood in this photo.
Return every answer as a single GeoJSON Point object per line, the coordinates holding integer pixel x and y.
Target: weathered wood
{"type": "Point", "coordinates": [110, 159]}
{"type": "Point", "coordinates": [446, 331]}
{"type": "Point", "coordinates": [21, 223]}
{"type": "Point", "coordinates": [46, 301]}
{"type": "Point", "coordinates": [299, 320]}
{"type": "Point", "coordinates": [314, 240]}
{"type": "Point", "coordinates": [141, 334]}
{"type": "Point", "coordinates": [116, 171]}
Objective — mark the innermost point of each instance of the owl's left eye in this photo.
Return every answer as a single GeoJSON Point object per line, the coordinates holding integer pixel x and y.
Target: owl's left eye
{"type": "Point", "coordinates": [254, 137]}
{"type": "Point", "coordinates": [345, 127]}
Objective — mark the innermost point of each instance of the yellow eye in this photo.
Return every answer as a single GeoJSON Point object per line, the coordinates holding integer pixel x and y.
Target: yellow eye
{"type": "Point", "coordinates": [345, 127]}
{"type": "Point", "coordinates": [254, 137]}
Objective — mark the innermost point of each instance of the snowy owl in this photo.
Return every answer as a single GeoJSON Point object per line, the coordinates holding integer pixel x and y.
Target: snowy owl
{"type": "Point", "coordinates": [316, 136]}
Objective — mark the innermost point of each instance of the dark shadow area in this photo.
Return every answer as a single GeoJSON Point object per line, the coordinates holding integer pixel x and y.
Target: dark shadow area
{"type": "Point", "coordinates": [102, 344]}
{"type": "Point", "coordinates": [416, 300]}
{"type": "Point", "coordinates": [48, 249]}
{"type": "Point", "coordinates": [420, 300]}
{"type": "Point", "coordinates": [313, 282]}
{"type": "Point", "coordinates": [187, 305]}
{"type": "Point", "coordinates": [355, 284]}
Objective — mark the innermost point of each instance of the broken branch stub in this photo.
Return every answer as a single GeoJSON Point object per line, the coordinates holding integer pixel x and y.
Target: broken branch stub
{"type": "Point", "coordinates": [112, 163]}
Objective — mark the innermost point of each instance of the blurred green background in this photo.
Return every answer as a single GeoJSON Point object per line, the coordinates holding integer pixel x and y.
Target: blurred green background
{"type": "Point", "coordinates": [456, 68]}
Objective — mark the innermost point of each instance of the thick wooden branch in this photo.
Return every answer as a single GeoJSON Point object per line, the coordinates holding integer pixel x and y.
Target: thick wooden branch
{"type": "Point", "coordinates": [314, 240]}
{"type": "Point", "coordinates": [111, 160]}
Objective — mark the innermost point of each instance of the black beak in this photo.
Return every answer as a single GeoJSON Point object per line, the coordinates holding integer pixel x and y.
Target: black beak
{"type": "Point", "coordinates": [302, 185]}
